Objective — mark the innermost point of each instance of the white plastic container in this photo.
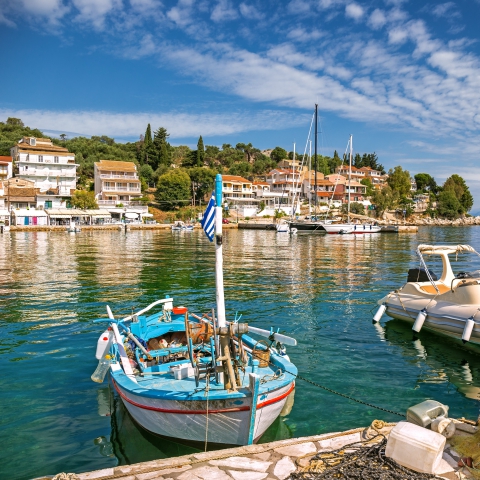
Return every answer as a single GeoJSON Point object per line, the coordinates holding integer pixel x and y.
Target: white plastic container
{"type": "Point", "coordinates": [183, 371]}
{"type": "Point", "coordinates": [415, 447]}
{"type": "Point", "coordinates": [103, 344]}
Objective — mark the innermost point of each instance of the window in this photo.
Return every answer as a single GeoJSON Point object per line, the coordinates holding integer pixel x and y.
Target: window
{"type": "Point", "coordinates": [40, 158]}
{"type": "Point", "coordinates": [48, 204]}
{"type": "Point", "coordinates": [55, 159]}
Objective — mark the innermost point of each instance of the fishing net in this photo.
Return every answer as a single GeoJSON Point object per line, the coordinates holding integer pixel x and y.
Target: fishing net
{"type": "Point", "coordinates": [354, 461]}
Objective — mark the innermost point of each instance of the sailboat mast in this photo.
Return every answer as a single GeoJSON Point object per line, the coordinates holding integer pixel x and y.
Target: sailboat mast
{"type": "Point", "coordinates": [294, 189]}
{"type": "Point", "coordinates": [349, 179]}
{"type": "Point", "coordinates": [316, 163]}
{"type": "Point", "coordinates": [219, 253]}
{"type": "Point", "coordinates": [310, 182]}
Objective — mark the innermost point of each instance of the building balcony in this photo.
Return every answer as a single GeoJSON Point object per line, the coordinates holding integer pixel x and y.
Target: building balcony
{"type": "Point", "coordinates": [121, 177]}
{"type": "Point", "coordinates": [122, 191]}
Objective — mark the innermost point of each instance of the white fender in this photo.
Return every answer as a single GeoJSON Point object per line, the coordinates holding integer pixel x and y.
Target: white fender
{"type": "Point", "coordinates": [467, 331]}
{"type": "Point", "coordinates": [103, 344]}
{"type": "Point", "coordinates": [422, 315]}
{"type": "Point", "coordinates": [378, 315]}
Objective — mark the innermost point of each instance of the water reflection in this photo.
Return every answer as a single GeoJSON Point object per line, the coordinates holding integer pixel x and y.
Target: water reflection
{"type": "Point", "coordinates": [437, 359]}
{"type": "Point", "coordinates": [319, 289]}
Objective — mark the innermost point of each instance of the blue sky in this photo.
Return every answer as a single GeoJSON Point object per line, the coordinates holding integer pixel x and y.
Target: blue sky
{"type": "Point", "coordinates": [402, 76]}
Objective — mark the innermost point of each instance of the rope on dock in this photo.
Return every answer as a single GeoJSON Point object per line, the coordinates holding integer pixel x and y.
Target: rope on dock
{"type": "Point", "coordinates": [354, 461]}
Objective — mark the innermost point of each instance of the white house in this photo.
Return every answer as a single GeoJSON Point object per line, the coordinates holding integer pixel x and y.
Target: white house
{"type": "Point", "coordinates": [50, 167]}
{"type": "Point", "coordinates": [118, 189]}
{"type": "Point", "coordinates": [6, 170]}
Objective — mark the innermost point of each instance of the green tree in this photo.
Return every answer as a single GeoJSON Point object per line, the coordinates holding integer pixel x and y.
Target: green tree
{"type": "Point", "coordinates": [200, 152]}
{"type": "Point", "coordinates": [334, 162]}
{"type": "Point", "coordinates": [368, 183]}
{"type": "Point", "coordinates": [148, 136]}
{"type": "Point", "coordinates": [146, 172]}
{"type": "Point", "coordinates": [399, 181]}
{"type": "Point", "coordinates": [457, 185]}
{"type": "Point", "coordinates": [384, 199]}
{"type": "Point", "coordinates": [162, 149]}
{"type": "Point", "coordinates": [15, 122]}
{"type": "Point", "coordinates": [448, 205]}
{"type": "Point", "coordinates": [173, 189]}
{"type": "Point", "coordinates": [278, 154]}
{"type": "Point", "coordinates": [84, 200]}
{"type": "Point", "coordinates": [355, 207]}
{"type": "Point", "coordinates": [203, 180]}
{"type": "Point", "coordinates": [425, 182]}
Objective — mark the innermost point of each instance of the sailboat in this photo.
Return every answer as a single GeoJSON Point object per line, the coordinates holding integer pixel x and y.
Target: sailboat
{"type": "Point", "coordinates": [198, 377]}
{"type": "Point", "coordinates": [311, 226]}
{"type": "Point", "coordinates": [355, 228]}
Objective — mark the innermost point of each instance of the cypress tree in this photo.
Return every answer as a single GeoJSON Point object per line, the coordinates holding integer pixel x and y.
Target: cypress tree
{"type": "Point", "coordinates": [200, 152]}
{"type": "Point", "coordinates": [148, 136]}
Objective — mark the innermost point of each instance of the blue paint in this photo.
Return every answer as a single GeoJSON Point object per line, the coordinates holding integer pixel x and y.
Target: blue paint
{"type": "Point", "coordinates": [218, 190]}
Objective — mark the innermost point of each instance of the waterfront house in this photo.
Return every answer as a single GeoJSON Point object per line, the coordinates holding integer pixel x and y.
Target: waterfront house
{"type": "Point", "coordinates": [118, 189]}
{"type": "Point", "coordinates": [357, 191]}
{"type": "Point", "coordinates": [271, 201]}
{"type": "Point", "coordinates": [50, 167]}
{"type": "Point", "coordinates": [238, 194]}
{"type": "Point", "coordinates": [375, 176]}
{"type": "Point", "coordinates": [6, 167]}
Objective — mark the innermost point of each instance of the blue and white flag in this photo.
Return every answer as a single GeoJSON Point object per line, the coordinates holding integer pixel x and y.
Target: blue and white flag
{"type": "Point", "coordinates": [208, 221]}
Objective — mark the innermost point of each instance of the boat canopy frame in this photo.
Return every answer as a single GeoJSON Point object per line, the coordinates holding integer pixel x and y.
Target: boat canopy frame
{"type": "Point", "coordinates": [443, 251]}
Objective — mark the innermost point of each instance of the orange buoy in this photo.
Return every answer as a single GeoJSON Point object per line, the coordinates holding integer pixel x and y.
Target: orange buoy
{"type": "Point", "coordinates": [179, 310]}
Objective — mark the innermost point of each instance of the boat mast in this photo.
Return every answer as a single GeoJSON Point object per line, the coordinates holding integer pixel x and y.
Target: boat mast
{"type": "Point", "coordinates": [294, 193]}
{"type": "Point", "coordinates": [349, 179]}
{"type": "Point", "coordinates": [310, 182]}
{"type": "Point", "coordinates": [316, 134]}
{"type": "Point", "coordinates": [219, 253]}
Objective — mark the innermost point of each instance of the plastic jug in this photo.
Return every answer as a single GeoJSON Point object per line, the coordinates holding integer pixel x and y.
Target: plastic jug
{"type": "Point", "coordinates": [415, 447]}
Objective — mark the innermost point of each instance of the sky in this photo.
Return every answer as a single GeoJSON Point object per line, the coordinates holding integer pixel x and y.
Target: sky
{"type": "Point", "coordinates": [401, 76]}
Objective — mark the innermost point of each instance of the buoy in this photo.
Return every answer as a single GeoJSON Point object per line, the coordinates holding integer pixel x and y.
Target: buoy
{"type": "Point", "coordinates": [422, 315]}
{"type": "Point", "coordinates": [378, 315]}
{"type": "Point", "coordinates": [467, 331]}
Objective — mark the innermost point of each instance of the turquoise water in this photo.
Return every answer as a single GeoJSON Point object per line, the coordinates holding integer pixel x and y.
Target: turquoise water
{"type": "Point", "coordinates": [319, 289]}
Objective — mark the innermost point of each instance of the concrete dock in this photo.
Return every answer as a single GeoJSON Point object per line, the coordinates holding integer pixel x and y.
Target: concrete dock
{"type": "Point", "coordinates": [270, 461]}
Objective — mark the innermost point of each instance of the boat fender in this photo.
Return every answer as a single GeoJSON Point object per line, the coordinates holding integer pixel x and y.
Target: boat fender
{"type": "Point", "coordinates": [422, 315]}
{"type": "Point", "coordinates": [467, 331]}
{"type": "Point", "coordinates": [378, 315]}
{"type": "Point", "coordinates": [103, 344]}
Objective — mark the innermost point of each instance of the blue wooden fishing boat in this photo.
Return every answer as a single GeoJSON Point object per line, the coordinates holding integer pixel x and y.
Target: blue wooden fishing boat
{"type": "Point", "coordinates": [198, 377]}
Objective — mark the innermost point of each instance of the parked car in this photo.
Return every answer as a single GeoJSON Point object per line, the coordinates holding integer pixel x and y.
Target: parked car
{"type": "Point", "coordinates": [225, 220]}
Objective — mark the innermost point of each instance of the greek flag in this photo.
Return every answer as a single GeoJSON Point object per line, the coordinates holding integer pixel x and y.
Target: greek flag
{"type": "Point", "coordinates": [208, 221]}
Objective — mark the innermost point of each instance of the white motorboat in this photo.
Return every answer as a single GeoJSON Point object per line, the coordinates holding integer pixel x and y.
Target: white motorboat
{"type": "Point", "coordinates": [449, 305]}
{"type": "Point", "coordinates": [283, 227]}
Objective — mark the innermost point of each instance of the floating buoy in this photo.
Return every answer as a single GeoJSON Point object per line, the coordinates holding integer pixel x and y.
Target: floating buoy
{"type": "Point", "coordinates": [378, 315]}
{"type": "Point", "coordinates": [467, 331]}
{"type": "Point", "coordinates": [422, 315]}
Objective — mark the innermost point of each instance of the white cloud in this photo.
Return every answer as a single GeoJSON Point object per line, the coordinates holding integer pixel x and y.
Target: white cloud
{"type": "Point", "coordinates": [250, 11]}
{"type": "Point", "coordinates": [445, 10]}
{"type": "Point", "coordinates": [94, 11]}
{"type": "Point", "coordinates": [298, 7]}
{"type": "Point", "coordinates": [397, 35]}
{"type": "Point", "coordinates": [354, 10]}
{"type": "Point", "coordinates": [224, 11]}
{"type": "Point", "coordinates": [377, 19]}
{"type": "Point", "coordinates": [301, 35]}
{"type": "Point", "coordinates": [131, 125]}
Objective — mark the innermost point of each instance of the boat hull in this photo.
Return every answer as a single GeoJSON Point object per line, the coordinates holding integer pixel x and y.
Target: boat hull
{"type": "Point", "coordinates": [227, 421]}
{"type": "Point", "coordinates": [308, 227]}
{"type": "Point", "coordinates": [442, 317]}
{"type": "Point", "coordinates": [342, 228]}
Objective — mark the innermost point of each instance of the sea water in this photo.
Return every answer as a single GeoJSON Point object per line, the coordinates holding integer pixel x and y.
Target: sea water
{"type": "Point", "coordinates": [322, 290]}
